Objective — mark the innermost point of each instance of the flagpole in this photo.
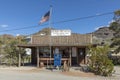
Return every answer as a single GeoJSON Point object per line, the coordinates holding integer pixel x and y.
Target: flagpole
{"type": "Point", "coordinates": [50, 26]}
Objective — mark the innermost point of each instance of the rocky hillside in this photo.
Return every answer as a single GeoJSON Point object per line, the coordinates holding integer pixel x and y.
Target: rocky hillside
{"type": "Point", "coordinates": [44, 31]}
{"type": "Point", "coordinates": [103, 35]}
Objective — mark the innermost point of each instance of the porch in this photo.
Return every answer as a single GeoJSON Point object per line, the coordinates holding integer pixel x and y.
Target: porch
{"type": "Point", "coordinates": [74, 56]}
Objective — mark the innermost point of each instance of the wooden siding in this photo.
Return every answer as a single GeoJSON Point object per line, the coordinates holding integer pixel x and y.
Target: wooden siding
{"type": "Point", "coordinates": [73, 40]}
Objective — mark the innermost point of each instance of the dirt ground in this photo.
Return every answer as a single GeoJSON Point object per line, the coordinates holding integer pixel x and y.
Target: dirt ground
{"type": "Point", "coordinates": [33, 73]}
{"type": "Point", "coordinates": [37, 70]}
{"type": "Point", "coordinates": [79, 74]}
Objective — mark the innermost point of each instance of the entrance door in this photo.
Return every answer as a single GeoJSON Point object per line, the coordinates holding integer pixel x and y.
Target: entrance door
{"type": "Point", "coordinates": [74, 56]}
{"type": "Point", "coordinates": [81, 55]}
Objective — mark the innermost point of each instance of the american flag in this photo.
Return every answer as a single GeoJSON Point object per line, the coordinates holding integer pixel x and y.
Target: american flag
{"type": "Point", "coordinates": [45, 18]}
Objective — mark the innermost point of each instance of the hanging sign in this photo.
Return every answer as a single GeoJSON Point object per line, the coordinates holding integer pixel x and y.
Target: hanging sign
{"type": "Point", "coordinates": [60, 32]}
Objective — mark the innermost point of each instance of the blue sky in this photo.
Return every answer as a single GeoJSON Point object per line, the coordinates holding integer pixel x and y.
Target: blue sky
{"type": "Point", "coordinates": [15, 14]}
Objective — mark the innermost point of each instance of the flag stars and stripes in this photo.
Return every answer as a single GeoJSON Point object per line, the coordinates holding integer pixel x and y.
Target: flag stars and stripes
{"type": "Point", "coordinates": [45, 18]}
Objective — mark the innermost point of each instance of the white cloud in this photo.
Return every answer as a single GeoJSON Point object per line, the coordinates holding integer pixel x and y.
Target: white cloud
{"type": "Point", "coordinates": [17, 34]}
{"type": "Point", "coordinates": [4, 26]}
{"type": "Point", "coordinates": [111, 21]}
{"type": "Point", "coordinates": [98, 27]}
{"type": "Point", "coordinates": [107, 25]}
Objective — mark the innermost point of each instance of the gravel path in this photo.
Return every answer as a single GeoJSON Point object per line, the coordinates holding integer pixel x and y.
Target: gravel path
{"type": "Point", "coordinates": [32, 73]}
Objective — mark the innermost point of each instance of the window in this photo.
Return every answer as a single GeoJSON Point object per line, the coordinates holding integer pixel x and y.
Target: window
{"type": "Point", "coordinates": [44, 52]}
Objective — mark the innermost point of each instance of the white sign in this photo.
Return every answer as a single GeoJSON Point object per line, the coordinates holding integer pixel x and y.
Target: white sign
{"type": "Point", "coordinates": [60, 32]}
{"type": "Point", "coordinates": [28, 51]}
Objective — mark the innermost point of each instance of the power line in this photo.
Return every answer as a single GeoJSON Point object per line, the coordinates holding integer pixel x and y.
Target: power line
{"type": "Point", "coordinates": [87, 17]}
{"type": "Point", "coordinates": [75, 19]}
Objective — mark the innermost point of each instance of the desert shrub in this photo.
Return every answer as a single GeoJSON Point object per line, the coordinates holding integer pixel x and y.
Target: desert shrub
{"type": "Point", "coordinates": [100, 63]}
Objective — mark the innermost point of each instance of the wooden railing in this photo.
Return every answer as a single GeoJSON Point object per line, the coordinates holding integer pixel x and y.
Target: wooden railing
{"type": "Point", "coordinates": [47, 60]}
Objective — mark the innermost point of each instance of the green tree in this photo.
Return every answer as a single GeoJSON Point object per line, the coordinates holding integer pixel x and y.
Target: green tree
{"type": "Point", "coordinates": [117, 15]}
{"type": "Point", "coordinates": [115, 26]}
{"type": "Point", "coordinates": [11, 49]}
{"type": "Point", "coordinates": [100, 64]}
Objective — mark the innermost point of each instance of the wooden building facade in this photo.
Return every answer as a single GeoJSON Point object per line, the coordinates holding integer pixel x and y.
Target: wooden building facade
{"type": "Point", "coordinates": [72, 48]}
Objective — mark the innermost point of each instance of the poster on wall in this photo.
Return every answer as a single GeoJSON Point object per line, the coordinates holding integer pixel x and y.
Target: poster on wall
{"type": "Point", "coordinates": [56, 50]}
{"type": "Point", "coordinates": [74, 52]}
{"type": "Point", "coordinates": [28, 51]}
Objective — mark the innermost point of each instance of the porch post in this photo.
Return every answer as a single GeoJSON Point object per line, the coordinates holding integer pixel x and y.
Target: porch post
{"type": "Point", "coordinates": [38, 57]}
{"type": "Point", "coordinates": [77, 55]}
{"type": "Point", "coordinates": [70, 55]}
{"type": "Point", "coordinates": [86, 55]}
{"type": "Point", "coordinates": [19, 57]}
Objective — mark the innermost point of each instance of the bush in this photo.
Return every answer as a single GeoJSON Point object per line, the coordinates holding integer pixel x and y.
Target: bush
{"type": "Point", "coordinates": [100, 63]}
